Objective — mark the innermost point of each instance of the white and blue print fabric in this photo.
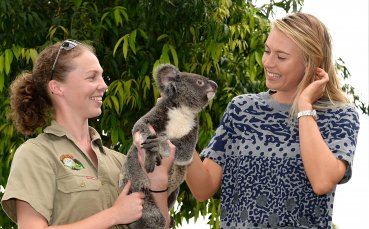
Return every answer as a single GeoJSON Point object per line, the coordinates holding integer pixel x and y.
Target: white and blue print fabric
{"type": "Point", "coordinates": [264, 184]}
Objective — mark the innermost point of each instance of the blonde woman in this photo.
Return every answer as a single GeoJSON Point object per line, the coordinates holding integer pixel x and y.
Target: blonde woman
{"type": "Point", "coordinates": [278, 155]}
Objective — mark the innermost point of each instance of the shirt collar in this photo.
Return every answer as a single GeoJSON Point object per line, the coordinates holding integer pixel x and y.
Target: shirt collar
{"type": "Point", "coordinates": [59, 131]}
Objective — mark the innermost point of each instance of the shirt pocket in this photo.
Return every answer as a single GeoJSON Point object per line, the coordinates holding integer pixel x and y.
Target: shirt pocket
{"type": "Point", "coordinates": [77, 183]}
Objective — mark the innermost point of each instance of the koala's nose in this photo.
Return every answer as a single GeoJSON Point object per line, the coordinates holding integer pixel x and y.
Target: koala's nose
{"type": "Point", "coordinates": [213, 85]}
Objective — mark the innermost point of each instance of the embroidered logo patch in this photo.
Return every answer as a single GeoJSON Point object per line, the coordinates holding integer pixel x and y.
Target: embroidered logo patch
{"type": "Point", "coordinates": [70, 162]}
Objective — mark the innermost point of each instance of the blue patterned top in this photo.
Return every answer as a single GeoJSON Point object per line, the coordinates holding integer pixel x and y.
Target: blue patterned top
{"type": "Point", "coordinates": [264, 184]}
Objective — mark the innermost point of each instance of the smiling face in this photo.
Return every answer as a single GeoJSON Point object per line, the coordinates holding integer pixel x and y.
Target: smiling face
{"type": "Point", "coordinates": [283, 66]}
{"type": "Point", "coordinates": [83, 87]}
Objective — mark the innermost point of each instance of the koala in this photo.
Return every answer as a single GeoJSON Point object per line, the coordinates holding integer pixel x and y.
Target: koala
{"type": "Point", "coordinates": [174, 117]}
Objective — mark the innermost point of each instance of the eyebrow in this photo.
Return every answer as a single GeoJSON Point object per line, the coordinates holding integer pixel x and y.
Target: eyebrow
{"type": "Point", "coordinates": [92, 72]}
{"type": "Point", "coordinates": [95, 71]}
{"type": "Point", "coordinates": [278, 51]}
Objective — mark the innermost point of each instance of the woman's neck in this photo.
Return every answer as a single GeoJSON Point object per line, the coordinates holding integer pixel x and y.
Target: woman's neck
{"type": "Point", "coordinates": [284, 98]}
{"type": "Point", "coordinates": [76, 127]}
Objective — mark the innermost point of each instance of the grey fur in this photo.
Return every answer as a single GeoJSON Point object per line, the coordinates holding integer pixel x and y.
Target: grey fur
{"type": "Point", "coordinates": [174, 117]}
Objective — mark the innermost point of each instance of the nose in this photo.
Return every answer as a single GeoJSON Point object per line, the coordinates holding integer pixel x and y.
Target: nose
{"type": "Point", "coordinates": [213, 85]}
{"type": "Point", "coordinates": [267, 60]}
{"type": "Point", "coordinates": [102, 85]}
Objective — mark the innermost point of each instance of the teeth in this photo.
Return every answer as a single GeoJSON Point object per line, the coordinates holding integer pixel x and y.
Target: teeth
{"type": "Point", "coordinates": [273, 75]}
{"type": "Point", "coordinates": [96, 98]}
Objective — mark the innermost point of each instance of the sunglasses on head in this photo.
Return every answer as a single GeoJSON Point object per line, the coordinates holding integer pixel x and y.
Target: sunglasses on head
{"type": "Point", "coordinates": [66, 45]}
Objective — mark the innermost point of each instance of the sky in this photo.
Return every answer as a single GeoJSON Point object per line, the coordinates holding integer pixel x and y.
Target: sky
{"type": "Point", "coordinates": [347, 22]}
{"type": "Point", "coordinates": [348, 25]}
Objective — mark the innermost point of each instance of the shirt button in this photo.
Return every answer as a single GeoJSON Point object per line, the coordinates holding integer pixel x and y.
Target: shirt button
{"type": "Point", "coordinates": [318, 211]}
{"type": "Point", "coordinates": [244, 215]}
{"type": "Point", "coordinates": [290, 204]}
{"type": "Point", "coordinates": [235, 198]}
{"type": "Point", "coordinates": [223, 213]}
{"type": "Point", "coordinates": [273, 219]}
{"type": "Point", "coordinates": [82, 184]}
{"type": "Point", "coordinates": [261, 201]}
{"type": "Point", "coordinates": [304, 221]}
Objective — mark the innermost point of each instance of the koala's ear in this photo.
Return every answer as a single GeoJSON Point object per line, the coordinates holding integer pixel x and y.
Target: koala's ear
{"type": "Point", "coordinates": [164, 74]}
{"type": "Point", "coordinates": [170, 90]}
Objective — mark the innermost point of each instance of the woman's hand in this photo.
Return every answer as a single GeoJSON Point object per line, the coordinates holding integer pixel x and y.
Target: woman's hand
{"type": "Point", "coordinates": [159, 177]}
{"type": "Point", "coordinates": [126, 209]}
{"type": "Point", "coordinates": [314, 91]}
{"type": "Point", "coordinates": [129, 207]}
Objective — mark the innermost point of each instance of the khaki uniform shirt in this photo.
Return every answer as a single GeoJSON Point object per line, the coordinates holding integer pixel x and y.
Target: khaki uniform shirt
{"type": "Point", "coordinates": [53, 174]}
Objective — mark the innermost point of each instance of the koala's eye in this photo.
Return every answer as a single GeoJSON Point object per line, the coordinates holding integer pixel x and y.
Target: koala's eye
{"type": "Point", "coordinates": [177, 78]}
{"type": "Point", "coordinates": [200, 82]}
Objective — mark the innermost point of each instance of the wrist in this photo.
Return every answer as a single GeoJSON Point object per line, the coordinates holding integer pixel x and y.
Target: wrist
{"type": "Point", "coordinates": [158, 182]}
{"type": "Point", "coordinates": [304, 106]}
{"type": "Point", "coordinates": [311, 113]}
{"type": "Point", "coordinates": [158, 190]}
{"type": "Point", "coordinates": [113, 220]}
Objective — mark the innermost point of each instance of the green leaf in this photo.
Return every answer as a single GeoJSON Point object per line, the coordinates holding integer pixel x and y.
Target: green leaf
{"type": "Point", "coordinates": [125, 46]}
{"type": "Point", "coordinates": [117, 18]}
{"type": "Point", "coordinates": [164, 54]}
{"type": "Point", "coordinates": [117, 45]}
{"type": "Point", "coordinates": [258, 57]}
{"type": "Point", "coordinates": [52, 31]}
{"type": "Point", "coordinates": [33, 54]}
{"type": "Point", "coordinates": [77, 3]}
{"type": "Point", "coordinates": [161, 37]}
{"type": "Point", "coordinates": [2, 63]}
{"type": "Point", "coordinates": [115, 103]}
{"type": "Point", "coordinates": [106, 14]}
{"type": "Point", "coordinates": [8, 60]}
{"type": "Point", "coordinates": [132, 41]}
{"type": "Point", "coordinates": [114, 136]}
{"type": "Point", "coordinates": [174, 54]}
{"type": "Point", "coordinates": [2, 79]}
{"type": "Point", "coordinates": [144, 34]}
{"type": "Point", "coordinates": [16, 51]}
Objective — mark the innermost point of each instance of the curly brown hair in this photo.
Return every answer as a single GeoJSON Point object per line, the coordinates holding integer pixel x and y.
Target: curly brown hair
{"type": "Point", "coordinates": [30, 101]}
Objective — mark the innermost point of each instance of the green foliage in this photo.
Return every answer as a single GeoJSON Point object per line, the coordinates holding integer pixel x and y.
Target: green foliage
{"type": "Point", "coordinates": [350, 90]}
{"type": "Point", "coordinates": [220, 39]}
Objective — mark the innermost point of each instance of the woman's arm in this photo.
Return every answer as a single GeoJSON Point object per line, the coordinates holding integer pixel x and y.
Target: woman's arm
{"type": "Point", "coordinates": [203, 177]}
{"type": "Point", "coordinates": [159, 177]}
{"type": "Point", "coordinates": [126, 209]}
{"type": "Point", "coordinates": [159, 182]}
{"type": "Point", "coordinates": [322, 168]}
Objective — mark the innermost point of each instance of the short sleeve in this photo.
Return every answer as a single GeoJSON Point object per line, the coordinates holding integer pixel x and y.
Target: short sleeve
{"type": "Point", "coordinates": [342, 139]}
{"type": "Point", "coordinates": [31, 179]}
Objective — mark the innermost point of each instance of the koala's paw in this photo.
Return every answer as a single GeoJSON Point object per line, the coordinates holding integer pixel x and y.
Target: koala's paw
{"type": "Point", "coordinates": [150, 142]}
{"type": "Point", "coordinates": [149, 167]}
{"type": "Point", "coordinates": [157, 144]}
{"type": "Point", "coordinates": [164, 149]}
{"type": "Point", "coordinates": [151, 160]}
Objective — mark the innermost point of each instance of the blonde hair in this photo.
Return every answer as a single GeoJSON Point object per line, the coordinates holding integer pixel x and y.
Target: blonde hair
{"type": "Point", "coordinates": [314, 40]}
{"type": "Point", "coordinates": [30, 100]}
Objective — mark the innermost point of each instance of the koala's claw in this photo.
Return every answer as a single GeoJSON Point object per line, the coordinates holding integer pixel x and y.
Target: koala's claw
{"type": "Point", "coordinates": [156, 144]}
{"type": "Point", "coordinates": [150, 161]}
{"type": "Point", "coordinates": [150, 142]}
{"type": "Point", "coordinates": [151, 136]}
{"type": "Point", "coordinates": [158, 160]}
{"type": "Point", "coordinates": [149, 167]}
